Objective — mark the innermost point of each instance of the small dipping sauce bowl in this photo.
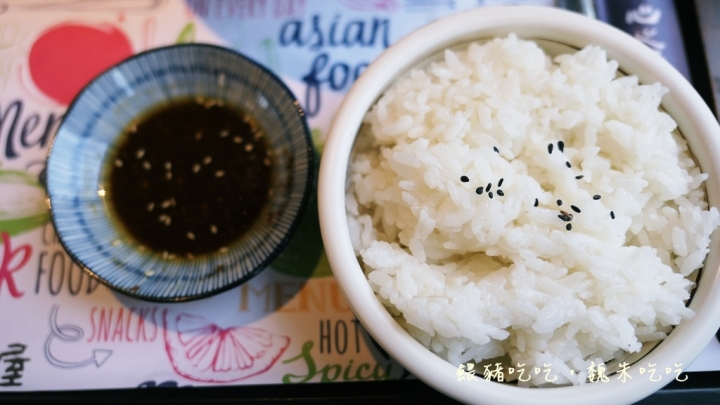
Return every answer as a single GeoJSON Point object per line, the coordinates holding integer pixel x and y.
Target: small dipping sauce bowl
{"type": "Point", "coordinates": [81, 160]}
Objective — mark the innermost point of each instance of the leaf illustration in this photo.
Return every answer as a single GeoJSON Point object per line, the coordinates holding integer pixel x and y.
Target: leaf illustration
{"type": "Point", "coordinates": [22, 202]}
{"type": "Point", "coordinates": [187, 35]}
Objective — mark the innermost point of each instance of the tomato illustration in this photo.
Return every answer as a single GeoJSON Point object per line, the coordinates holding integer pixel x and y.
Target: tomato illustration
{"type": "Point", "coordinates": [203, 351]}
{"type": "Point", "coordinates": [64, 58]}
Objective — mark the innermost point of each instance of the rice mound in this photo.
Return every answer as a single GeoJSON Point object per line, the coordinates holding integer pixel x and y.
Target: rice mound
{"type": "Point", "coordinates": [473, 277]}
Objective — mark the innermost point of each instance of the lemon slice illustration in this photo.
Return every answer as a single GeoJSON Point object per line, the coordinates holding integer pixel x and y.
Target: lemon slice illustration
{"type": "Point", "coordinates": [202, 351]}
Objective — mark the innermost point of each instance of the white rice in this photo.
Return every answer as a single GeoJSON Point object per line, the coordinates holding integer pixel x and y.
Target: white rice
{"type": "Point", "coordinates": [474, 278]}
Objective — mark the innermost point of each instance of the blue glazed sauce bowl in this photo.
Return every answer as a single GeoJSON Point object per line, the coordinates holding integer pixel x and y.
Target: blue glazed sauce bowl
{"type": "Point", "coordinates": [84, 154]}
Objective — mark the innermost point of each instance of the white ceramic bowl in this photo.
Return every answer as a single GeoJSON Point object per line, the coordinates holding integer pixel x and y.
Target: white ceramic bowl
{"type": "Point", "coordinates": [695, 121]}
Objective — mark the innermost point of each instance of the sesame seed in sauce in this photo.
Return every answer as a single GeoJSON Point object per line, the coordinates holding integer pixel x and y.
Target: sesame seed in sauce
{"type": "Point", "coordinates": [224, 133]}
{"type": "Point", "coordinates": [189, 256]}
{"type": "Point", "coordinates": [500, 193]}
{"type": "Point", "coordinates": [237, 139]}
{"type": "Point", "coordinates": [596, 197]}
{"type": "Point", "coordinates": [190, 235]}
{"type": "Point", "coordinates": [196, 168]}
{"type": "Point", "coordinates": [576, 209]}
{"type": "Point", "coordinates": [223, 249]}
{"type": "Point", "coordinates": [464, 179]}
{"type": "Point", "coordinates": [249, 147]}
{"type": "Point", "coordinates": [165, 219]}
{"type": "Point", "coordinates": [159, 181]}
{"type": "Point", "coordinates": [479, 190]}
{"type": "Point", "coordinates": [568, 227]}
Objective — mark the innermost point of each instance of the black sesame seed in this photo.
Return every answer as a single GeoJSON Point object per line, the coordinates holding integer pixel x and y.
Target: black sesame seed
{"type": "Point", "coordinates": [500, 193]}
{"type": "Point", "coordinates": [564, 217]}
{"type": "Point", "coordinates": [496, 149]}
{"type": "Point", "coordinates": [487, 188]}
{"type": "Point", "coordinates": [596, 197]}
{"type": "Point", "coordinates": [568, 227]}
{"type": "Point", "coordinates": [568, 164]}
{"type": "Point", "coordinates": [500, 182]}
{"type": "Point", "coordinates": [612, 215]}
{"type": "Point", "coordinates": [490, 194]}
{"type": "Point", "coordinates": [479, 190]}
{"type": "Point", "coordinates": [567, 214]}
{"type": "Point", "coordinates": [536, 202]}
{"type": "Point", "coordinates": [464, 179]}
{"type": "Point", "coordinates": [561, 146]}
{"type": "Point", "coordinates": [559, 202]}
{"type": "Point", "coordinates": [576, 209]}
{"type": "Point", "coordinates": [579, 177]}
{"type": "Point", "coordinates": [550, 146]}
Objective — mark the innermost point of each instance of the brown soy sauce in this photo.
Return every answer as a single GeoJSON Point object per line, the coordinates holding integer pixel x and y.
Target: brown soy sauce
{"type": "Point", "coordinates": [189, 178]}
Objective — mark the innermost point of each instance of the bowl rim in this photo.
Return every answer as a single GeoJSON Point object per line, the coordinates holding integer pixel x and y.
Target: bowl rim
{"type": "Point", "coordinates": [693, 116]}
{"type": "Point", "coordinates": [307, 189]}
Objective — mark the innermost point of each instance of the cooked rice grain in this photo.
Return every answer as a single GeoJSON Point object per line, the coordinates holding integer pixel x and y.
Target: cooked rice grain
{"type": "Point", "coordinates": [474, 278]}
